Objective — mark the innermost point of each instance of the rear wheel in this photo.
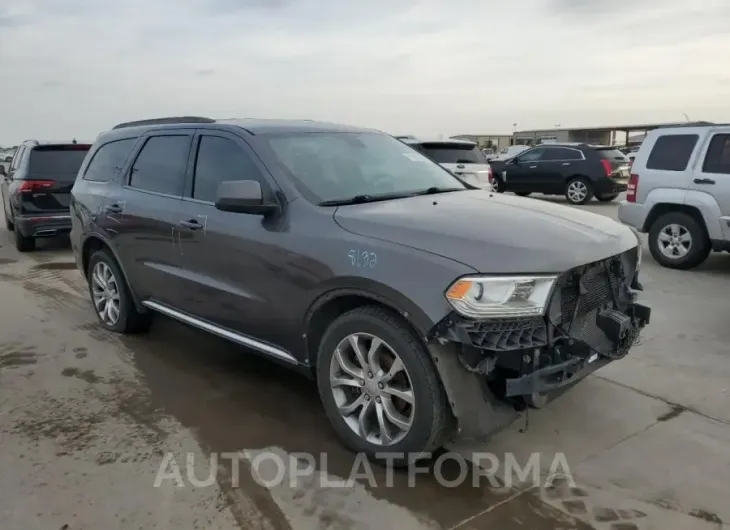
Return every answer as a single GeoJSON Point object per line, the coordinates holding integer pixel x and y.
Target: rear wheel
{"type": "Point", "coordinates": [111, 297]}
{"type": "Point", "coordinates": [379, 386]}
{"type": "Point", "coordinates": [678, 241]}
{"type": "Point", "coordinates": [23, 243]}
{"type": "Point", "coordinates": [607, 198]}
{"type": "Point", "coordinates": [497, 184]}
{"type": "Point", "coordinates": [578, 190]}
{"type": "Point", "coordinates": [8, 223]}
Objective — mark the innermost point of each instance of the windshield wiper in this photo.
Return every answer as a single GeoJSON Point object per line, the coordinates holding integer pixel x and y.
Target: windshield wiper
{"type": "Point", "coordinates": [434, 189]}
{"type": "Point", "coordinates": [361, 199]}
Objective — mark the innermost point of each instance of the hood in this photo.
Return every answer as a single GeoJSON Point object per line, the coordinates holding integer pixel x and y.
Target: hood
{"type": "Point", "coordinates": [492, 233]}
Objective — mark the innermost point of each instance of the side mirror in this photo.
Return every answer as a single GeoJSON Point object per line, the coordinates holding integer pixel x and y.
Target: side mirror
{"type": "Point", "coordinates": [243, 196]}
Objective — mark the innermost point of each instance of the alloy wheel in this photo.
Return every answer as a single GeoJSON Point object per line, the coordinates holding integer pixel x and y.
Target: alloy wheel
{"type": "Point", "coordinates": [372, 389]}
{"type": "Point", "coordinates": [674, 241]}
{"type": "Point", "coordinates": [577, 191]}
{"type": "Point", "coordinates": [105, 293]}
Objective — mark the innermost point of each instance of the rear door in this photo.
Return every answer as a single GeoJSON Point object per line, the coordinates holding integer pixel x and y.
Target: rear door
{"type": "Point", "coordinates": [50, 174]}
{"type": "Point", "coordinates": [712, 174]}
{"type": "Point", "coordinates": [142, 216]}
{"type": "Point", "coordinates": [553, 167]}
{"type": "Point", "coordinates": [463, 159]}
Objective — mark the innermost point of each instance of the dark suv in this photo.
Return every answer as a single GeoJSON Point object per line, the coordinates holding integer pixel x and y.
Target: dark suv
{"type": "Point", "coordinates": [348, 255]}
{"type": "Point", "coordinates": [578, 171]}
{"type": "Point", "coordinates": [36, 189]}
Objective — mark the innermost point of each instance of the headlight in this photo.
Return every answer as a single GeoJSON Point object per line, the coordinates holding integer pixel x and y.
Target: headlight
{"type": "Point", "coordinates": [501, 296]}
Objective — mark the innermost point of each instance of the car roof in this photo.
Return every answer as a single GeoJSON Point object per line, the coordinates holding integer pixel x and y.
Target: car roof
{"type": "Point", "coordinates": [453, 141]}
{"type": "Point", "coordinates": [253, 126]}
{"type": "Point", "coordinates": [50, 142]}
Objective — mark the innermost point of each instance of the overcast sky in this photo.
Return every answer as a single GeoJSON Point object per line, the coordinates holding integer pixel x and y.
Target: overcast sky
{"type": "Point", "coordinates": [71, 68]}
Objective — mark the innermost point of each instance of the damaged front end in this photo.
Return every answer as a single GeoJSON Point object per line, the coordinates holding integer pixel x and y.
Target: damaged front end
{"type": "Point", "coordinates": [504, 364]}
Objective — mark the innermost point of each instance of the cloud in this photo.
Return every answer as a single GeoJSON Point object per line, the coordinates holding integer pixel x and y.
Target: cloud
{"type": "Point", "coordinates": [411, 67]}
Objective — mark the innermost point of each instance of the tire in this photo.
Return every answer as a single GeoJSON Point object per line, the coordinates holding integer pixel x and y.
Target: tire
{"type": "Point", "coordinates": [497, 185]}
{"type": "Point", "coordinates": [23, 243]}
{"type": "Point", "coordinates": [128, 319]}
{"type": "Point", "coordinates": [587, 190]}
{"type": "Point", "coordinates": [699, 242]}
{"type": "Point", "coordinates": [523, 193]}
{"type": "Point", "coordinates": [430, 415]}
{"type": "Point", "coordinates": [607, 198]}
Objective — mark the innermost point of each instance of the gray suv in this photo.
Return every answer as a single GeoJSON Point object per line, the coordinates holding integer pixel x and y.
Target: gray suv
{"type": "Point", "coordinates": [353, 258]}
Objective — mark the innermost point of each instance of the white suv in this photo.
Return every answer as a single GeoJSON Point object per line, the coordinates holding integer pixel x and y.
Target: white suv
{"type": "Point", "coordinates": [679, 192]}
{"type": "Point", "coordinates": [462, 157]}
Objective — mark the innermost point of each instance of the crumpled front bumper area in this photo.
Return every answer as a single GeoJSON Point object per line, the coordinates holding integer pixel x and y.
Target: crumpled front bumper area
{"type": "Point", "coordinates": [592, 318]}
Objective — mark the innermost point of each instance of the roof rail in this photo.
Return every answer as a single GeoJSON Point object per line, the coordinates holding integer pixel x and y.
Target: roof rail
{"type": "Point", "coordinates": [165, 121]}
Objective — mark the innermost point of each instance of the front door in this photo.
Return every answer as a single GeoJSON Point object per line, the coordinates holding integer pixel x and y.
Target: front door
{"type": "Point", "coordinates": [141, 216]}
{"type": "Point", "coordinates": [712, 175]}
{"type": "Point", "coordinates": [232, 261]}
{"type": "Point", "coordinates": [520, 174]}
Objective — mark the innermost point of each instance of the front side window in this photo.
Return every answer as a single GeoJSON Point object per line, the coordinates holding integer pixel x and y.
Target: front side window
{"type": "Point", "coordinates": [533, 155]}
{"type": "Point", "coordinates": [219, 160]}
{"type": "Point", "coordinates": [109, 159]}
{"type": "Point", "coordinates": [335, 166]}
{"type": "Point", "coordinates": [161, 165]}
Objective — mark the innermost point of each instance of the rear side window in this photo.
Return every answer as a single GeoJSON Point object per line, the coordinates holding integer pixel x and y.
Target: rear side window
{"type": "Point", "coordinates": [161, 165]}
{"type": "Point", "coordinates": [108, 159]}
{"type": "Point", "coordinates": [219, 160]}
{"type": "Point", "coordinates": [448, 153]}
{"type": "Point", "coordinates": [717, 159]}
{"type": "Point", "coordinates": [672, 152]}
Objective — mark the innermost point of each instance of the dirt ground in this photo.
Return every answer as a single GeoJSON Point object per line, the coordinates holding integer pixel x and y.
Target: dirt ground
{"type": "Point", "coordinates": [88, 419]}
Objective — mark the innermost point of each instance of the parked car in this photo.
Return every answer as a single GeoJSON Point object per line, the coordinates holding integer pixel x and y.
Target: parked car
{"type": "Point", "coordinates": [462, 157]}
{"type": "Point", "coordinates": [679, 193]}
{"type": "Point", "coordinates": [350, 256]}
{"type": "Point", "coordinates": [578, 171]}
{"type": "Point", "coordinates": [36, 190]}
{"type": "Point", "coordinates": [508, 152]}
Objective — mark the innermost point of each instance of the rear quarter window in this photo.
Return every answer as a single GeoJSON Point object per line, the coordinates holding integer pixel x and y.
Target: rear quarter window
{"type": "Point", "coordinates": [671, 152]}
{"type": "Point", "coordinates": [108, 160]}
{"type": "Point", "coordinates": [717, 159]}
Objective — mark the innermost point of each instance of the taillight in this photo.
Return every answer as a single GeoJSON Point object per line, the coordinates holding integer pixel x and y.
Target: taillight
{"type": "Point", "coordinates": [489, 173]}
{"type": "Point", "coordinates": [606, 166]}
{"type": "Point", "coordinates": [631, 187]}
{"type": "Point", "coordinates": [34, 185]}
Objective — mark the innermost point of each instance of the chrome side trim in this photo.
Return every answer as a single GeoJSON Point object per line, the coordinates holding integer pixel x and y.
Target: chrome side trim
{"type": "Point", "coordinates": [221, 332]}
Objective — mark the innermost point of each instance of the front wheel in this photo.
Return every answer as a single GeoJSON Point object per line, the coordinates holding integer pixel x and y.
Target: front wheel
{"type": "Point", "coordinates": [578, 191]}
{"type": "Point", "coordinates": [678, 241]}
{"type": "Point", "coordinates": [380, 388]}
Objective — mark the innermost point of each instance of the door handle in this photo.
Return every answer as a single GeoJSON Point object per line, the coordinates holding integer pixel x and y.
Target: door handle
{"type": "Point", "coordinates": [533, 167]}
{"type": "Point", "coordinates": [566, 163]}
{"type": "Point", "coordinates": [114, 208]}
{"type": "Point", "coordinates": [192, 224]}
{"type": "Point", "coordinates": [704, 181]}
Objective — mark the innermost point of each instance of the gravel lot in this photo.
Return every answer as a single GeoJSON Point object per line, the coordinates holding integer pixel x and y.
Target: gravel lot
{"type": "Point", "coordinates": [87, 419]}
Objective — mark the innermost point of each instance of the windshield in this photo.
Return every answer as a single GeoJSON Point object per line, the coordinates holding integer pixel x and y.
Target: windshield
{"type": "Point", "coordinates": [334, 166]}
{"type": "Point", "coordinates": [453, 153]}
